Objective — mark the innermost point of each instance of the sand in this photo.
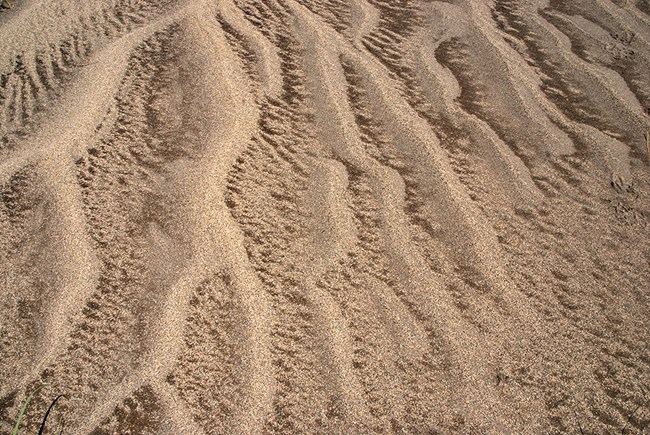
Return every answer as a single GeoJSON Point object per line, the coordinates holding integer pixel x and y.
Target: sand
{"type": "Point", "coordinates": [325, 216]}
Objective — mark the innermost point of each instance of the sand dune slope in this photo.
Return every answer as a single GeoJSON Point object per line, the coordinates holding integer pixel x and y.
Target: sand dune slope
{"type": "Point", "coordinates": [326, 216]}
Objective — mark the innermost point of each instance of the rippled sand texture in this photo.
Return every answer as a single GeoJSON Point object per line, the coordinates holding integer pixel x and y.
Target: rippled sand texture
{"type": "Point", "coordinates": [326, 216]}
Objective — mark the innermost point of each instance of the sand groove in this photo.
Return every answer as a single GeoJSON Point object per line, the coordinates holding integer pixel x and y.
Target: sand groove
{"type": "Point", "coordinates": [326, 216]}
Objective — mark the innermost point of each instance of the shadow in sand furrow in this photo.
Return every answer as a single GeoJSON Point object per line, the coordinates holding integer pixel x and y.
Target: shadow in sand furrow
{"type": "Point", "coordinates": [123, 213]}
{"type": "Point", "coordinates": [586, 314]}
{"type": "Point", "coordinates": [384, 327]}
{"type": "Point", "coordinates": [337, 132]}
{"type": "Point", "coordinates": [208, 375]}
{"type": "Point", "coordinates": [262, 15]}
{"type": "Point", "coordinates": [448, 54]}
{"type": "Point", "coordinates": [36, 73]}
{"type": "Point", "coordinates": [263, 190]}
{"type": "Point", "coordinates": [335, 12]}
{"type": "Point", "coordinates": [22, 213]}
{"type": "Point", "coordinates": [551, 173]}
{"type": "Point", "coordinates": [140, 413]}
{"type": "Point", "coordinates": [492, 174]}
{"type": "Point", "coordinates": [582, 94]}
{"type": "Point", "coordinates": [614, 51]}
{"type": "Point", "coordinates": [265, 185]}
{"type": "Point", "coordinates": [259, 53]}
{"type": "Point", "coordinates": [397, 52]}
{"type": "Point", "coordinates": [643, 6]}
{"type": "Point", "coordinates": [426, 233]}
{"type": "Point", "coordinates": [244, 51]}
{"type": "Point", "coordinates": [611, 44]}
{"type": "Point", "coordinates": [386, 42]}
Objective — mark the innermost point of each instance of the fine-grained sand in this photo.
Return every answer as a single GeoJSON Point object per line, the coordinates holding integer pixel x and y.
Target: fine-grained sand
{"type": "Point", "coordinates": [325, 216]}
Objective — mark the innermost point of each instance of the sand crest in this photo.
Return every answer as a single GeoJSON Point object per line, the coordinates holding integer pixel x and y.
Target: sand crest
{"type": "Point", "coordinates": [325, 216]}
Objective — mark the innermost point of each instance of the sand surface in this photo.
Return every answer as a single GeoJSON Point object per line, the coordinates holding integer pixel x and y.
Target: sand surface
{"type": "Point", "coordinates": [325, 216]}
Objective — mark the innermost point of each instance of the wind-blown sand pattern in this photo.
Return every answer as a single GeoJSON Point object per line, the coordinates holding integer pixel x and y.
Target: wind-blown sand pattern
{"type": "Point", "coordinates": [326, 216]}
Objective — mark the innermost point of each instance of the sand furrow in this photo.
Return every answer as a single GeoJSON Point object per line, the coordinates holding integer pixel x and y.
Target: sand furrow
{"type": "Point", "coordinates": [364, 18]}
{"type": "Point", "coordinates": [216, 144]}
{"type": "Point", "coordinates": [586, 93]}
{"type": "Point", "coordinates": [335, 13]}
{"type": "Point", "coordinates": [22, 213]}
{"type": "Point", "coordinates": [325, 216]}
{"type": "Point", "coordinates": [464, 135]}
{"type": "Point", "coordinates": [326, 196]}
{"type": "Point", "coordinates": [277, 156]}
{"type": "Point", "coordinates": [265, 54]}
{"type": "Point", "coordinates": [55, 54]}
{"type": "Point", "coordinates": [383, 186]}
{"type": "Point", "coordinates": [72, 280]}
{"type": "Point", "coordinates": [120, 233]}
{"type": "Point", "coordinates": [363, 292]}
{"type": "Point", "coordinates": [425, 147]}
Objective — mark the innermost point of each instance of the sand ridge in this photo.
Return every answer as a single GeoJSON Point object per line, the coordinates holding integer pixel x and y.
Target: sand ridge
{"type": "Point", "coordinates": [326, 216]}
